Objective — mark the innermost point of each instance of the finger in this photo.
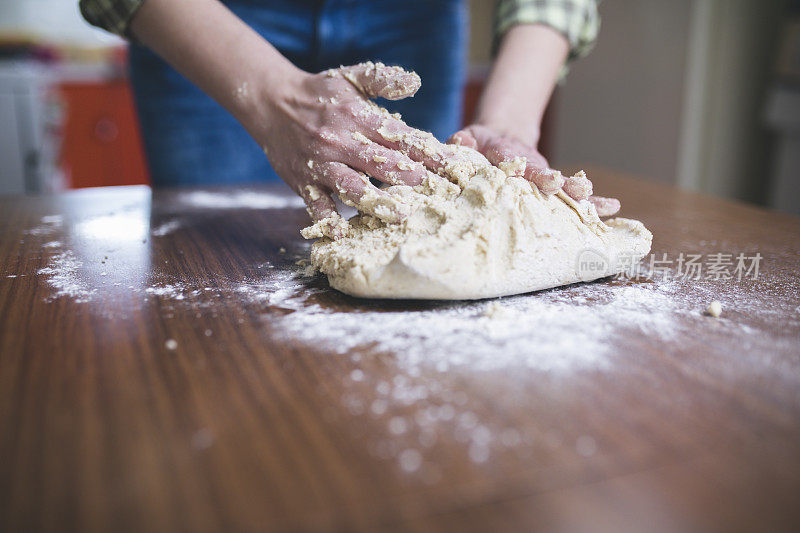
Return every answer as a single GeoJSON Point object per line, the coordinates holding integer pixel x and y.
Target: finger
{"type": "Point", "coordinates": [381, 163]}
{"type": "Point", "coordinates": [319, 203]}
{"type": "Point", "coordinates": [446, 160]}
{"type": "Point", "coordinates": [378, 80]}
{"type": "Point", "coordinates": [605, 207]}
{"type": "Point", "coordinates": [505, 158]}
{"type": "Point", "coordinates": [355, 190]}
{"type": "Point", "coordinates": [322, 210]}
{"type": "Point", "coordinates": [463, 138]}
{"type": "Point", "coordinates": [547, 180]}
{"type": "Point", "coordinates": [578, 187]}
{"type": "Point", "coordinates": [449, 161]}
{"type": "Point", "coordinates": [506, 154]}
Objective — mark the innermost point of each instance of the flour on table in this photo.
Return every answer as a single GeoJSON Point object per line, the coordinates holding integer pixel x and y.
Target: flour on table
{"type": "Point", "coordinates": [55, 220]}
{"type": "Point", "coordinates": [49, 224]}
{"type": "Point", "coordinates": [554, 332]}
{"type": "Point", "coordinates": [240, 200]}
{"type": "Point", "coordinates": [166, 228]}
{"type": "Point", "coordinates": [174, 291]}
{"type": "Point", "coordinates": [473, 233]}
{"type": "Point", "coordinates": [62, 275]}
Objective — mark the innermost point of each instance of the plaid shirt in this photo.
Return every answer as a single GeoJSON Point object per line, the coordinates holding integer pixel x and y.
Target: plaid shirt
{"type": "Point", "coordinates": [577, 20]}
{"type": "Point", "coordinates": [111, 15]}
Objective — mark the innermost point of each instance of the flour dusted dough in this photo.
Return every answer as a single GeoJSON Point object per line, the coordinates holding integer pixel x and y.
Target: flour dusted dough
{"type": "Point", "coordinates": [478, 234]}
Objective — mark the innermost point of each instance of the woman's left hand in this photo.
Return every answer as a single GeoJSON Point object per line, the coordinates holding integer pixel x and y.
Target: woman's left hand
{"type": "Point", "coordinates": [519, 159]}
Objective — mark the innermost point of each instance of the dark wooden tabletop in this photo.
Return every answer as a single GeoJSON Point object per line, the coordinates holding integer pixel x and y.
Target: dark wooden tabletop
{"type": "Point", "coordinates": [166, 365]}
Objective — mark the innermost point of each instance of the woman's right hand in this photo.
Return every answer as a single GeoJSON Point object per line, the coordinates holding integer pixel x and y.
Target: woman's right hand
{"type": "Point", "coordinates": [320, 133]}
{"type": "Point", "coordinates": [323, 136]}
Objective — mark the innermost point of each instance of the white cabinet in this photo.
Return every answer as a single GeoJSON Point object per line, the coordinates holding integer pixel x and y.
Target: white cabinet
{"type": "Point", "coordinates": [28, 143]}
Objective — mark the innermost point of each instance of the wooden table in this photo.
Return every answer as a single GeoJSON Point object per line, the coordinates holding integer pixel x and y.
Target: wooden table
{"type": "Point", "coordinates": [164, 366]}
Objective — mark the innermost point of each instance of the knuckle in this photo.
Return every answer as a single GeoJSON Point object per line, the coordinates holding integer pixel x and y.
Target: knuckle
{"type": "Point", "coordinates": [351, 107]}
{"type": "Point", "coordinates": [323, 133]}
{"type": "Point", "coordinates": [327, 137]}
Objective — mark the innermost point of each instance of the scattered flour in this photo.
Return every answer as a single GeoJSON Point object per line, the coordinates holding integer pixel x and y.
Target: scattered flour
{"type": "Point", "coordinates": [433, 347]}
{"type": "Point", "coordinates": [553, 331]}
{"type": "Point", "coordinates": [55, 220]}
{"type": "Point", "coordinates": [166, 228]}
{"type": "Point", "coordinates": [174, 291]}
{"type": "Point", "coordinates": [62, 276]}
{"type": "Point", "coordinates": [240, 200]}
{"type": "Point", "coordinates": [48, 225]}
{"type": "Point", "coordinates": [62, 270]}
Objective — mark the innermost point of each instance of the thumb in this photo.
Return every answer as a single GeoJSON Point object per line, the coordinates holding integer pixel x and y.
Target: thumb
{"type": "Point", "coordinates": [378, 80]}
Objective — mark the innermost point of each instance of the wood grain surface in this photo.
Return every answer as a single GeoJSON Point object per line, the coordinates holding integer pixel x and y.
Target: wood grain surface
{"type": "Point", "coordinates": [164, 366]}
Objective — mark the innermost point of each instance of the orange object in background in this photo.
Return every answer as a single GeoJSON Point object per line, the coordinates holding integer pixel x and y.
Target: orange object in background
{"type": "Point", "coordinates": [101, 143]}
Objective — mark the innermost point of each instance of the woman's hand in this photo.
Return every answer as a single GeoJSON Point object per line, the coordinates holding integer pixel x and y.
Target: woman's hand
{"type": "Point", "coordinates": [511, 155]}
{"type": "Point", "coordinates": [510, 112]}
{"type": "Point", "coordinates": [319, 133]}
{"type": "Point", "coordinates": [324, 136]}
{"type": "Point", "coordinates": [516, 158]}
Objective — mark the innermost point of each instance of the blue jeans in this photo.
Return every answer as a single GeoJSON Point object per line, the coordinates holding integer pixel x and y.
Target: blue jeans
{"type": "Point", "coordinates": [190, 140]}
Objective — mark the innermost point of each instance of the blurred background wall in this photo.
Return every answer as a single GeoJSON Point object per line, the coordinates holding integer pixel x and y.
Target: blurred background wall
{"type": "Point", "coordinates": [696, 93]}
{"type": "Point", "coordinates": [55, 21]}
{"type": "Point", "coordinates": [684, 84]}
{"type": "Point", "coordinates": [704, 94]}
{"type": "Point", "coordinates": [621, 106]}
